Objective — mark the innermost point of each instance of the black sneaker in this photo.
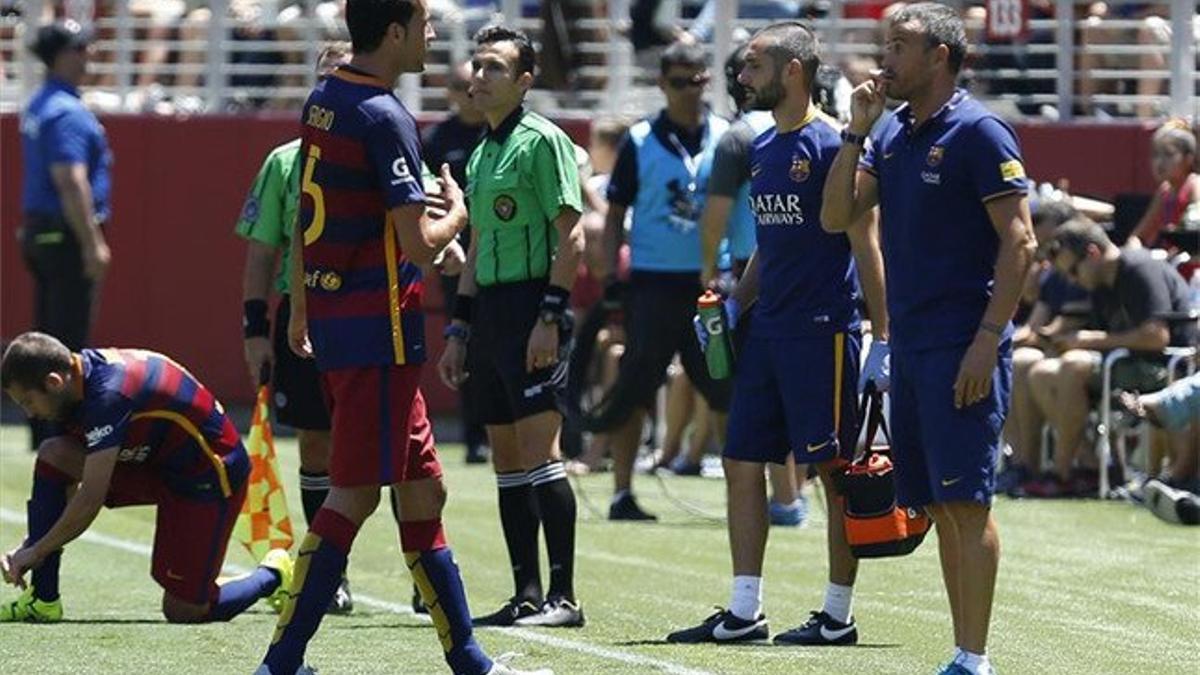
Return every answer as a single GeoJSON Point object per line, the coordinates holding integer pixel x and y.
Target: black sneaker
{"type": "Point", "coordinates": [723, 626]}
{"type": "Point", "coordinates": [820, 629]}
{"type": "Point", "coordinates": [557, 612]}
{"type": "Point", "coordinates": [342, 601]}
{"type": "Point", "coordinates": [514, 609]}
{"type": "Point", "coordinates": [626, 508]}
{"type": "Point", "coordinates": [418, 603]}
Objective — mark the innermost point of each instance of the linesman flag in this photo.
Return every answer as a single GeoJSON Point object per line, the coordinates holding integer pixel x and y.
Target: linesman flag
{"type": "Point", "coordinates": [263, 523]}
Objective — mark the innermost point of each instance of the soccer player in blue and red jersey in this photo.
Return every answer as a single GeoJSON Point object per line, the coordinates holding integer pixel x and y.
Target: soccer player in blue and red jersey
{"type": "Point", "coordinates": [135, 428]}
{"type": "Point", "coordinates": [364, 230]}
{"type": "Point", "coordinates": [796, 380]}
{"type": "Point", "coordinates": [948, 178]}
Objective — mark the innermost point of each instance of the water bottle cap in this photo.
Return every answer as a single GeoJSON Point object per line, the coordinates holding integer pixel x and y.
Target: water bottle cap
{"type": "Point", "coordinates": [709, 299]}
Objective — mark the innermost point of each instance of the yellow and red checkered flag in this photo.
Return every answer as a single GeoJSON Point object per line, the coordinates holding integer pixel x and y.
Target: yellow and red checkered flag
{"type": "Point", "coordinates": [264, 523]}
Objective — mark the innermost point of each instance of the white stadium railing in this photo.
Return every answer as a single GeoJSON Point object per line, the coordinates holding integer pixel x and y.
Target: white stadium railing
{"type": "Point", "coordinates": [151, 55]}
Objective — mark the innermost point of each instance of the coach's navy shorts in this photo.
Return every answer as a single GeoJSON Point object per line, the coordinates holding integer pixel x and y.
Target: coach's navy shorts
{"type": "Point", "coordinates": [943, 454]}
{"type": "Point", "coordinates": [797, 396]}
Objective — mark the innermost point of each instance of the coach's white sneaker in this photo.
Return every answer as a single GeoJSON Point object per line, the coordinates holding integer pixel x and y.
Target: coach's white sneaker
{"type": "Point", "coordinates": [500, 666]}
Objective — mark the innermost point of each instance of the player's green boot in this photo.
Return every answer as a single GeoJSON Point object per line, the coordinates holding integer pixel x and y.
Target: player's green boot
{"type": "Point", "coordinates": [28, 609]}
{"type": "Point", "coordinates": [279, 560]}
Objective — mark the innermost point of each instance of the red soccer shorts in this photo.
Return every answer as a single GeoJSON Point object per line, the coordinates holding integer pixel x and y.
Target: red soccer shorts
{"type": "Point", "coordinates": [381, 432]}
{"type": "Point", "coordinates": [190, 534]}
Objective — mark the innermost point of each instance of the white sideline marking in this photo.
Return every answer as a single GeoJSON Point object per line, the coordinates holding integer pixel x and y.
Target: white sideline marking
{"type": "Point", "coordinates": [10, 516]}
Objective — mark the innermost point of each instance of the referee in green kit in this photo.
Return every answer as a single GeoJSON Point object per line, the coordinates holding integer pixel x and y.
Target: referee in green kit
{"type": "Point", "coordinates": [511, 332]}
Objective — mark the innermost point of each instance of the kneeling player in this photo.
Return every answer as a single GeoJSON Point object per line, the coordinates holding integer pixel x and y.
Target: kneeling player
{"type": "Point", "coordinates": [137, 429]}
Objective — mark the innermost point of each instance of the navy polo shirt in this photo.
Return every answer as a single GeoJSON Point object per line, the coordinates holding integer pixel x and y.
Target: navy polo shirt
{"type": "Point", "coordinates": [939, 245]}
{"type": "Point", "coordinates": [57, 129]}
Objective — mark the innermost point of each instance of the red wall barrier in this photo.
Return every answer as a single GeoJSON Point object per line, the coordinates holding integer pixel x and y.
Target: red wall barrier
{"type": "Point", "coordinates": [175, 283]}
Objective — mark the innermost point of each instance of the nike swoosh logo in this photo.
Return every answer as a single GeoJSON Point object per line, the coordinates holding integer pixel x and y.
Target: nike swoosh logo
{"type": "Point", "coordinates": [723, 633]}
{"type": "Point", "coordinates": [817, 447]}
{"type": "Point", "coordinates": [947, 482]}
{"type": "Point", "coordinates": [835, 634]}
{"type": "Point", "coordinates": [888, 155]}
{"type": "Point", "coordinates": [174, 577]}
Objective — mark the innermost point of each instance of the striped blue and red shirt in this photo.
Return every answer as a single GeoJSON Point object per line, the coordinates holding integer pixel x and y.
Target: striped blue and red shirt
{"type": "Point", "coordinates": [361, 156]}
{"type": "Point", "coordinates": [158, 415]}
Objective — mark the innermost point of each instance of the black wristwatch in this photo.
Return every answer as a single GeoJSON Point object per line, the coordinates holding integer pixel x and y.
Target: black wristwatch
{"type": "Point", "coordinates": [856, 139]}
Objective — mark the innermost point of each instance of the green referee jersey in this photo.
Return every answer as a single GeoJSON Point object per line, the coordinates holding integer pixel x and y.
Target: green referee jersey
{"type": "Point", "coordinates": [270, 210]}
{"type": "Point", "coordinates": [518, 180]}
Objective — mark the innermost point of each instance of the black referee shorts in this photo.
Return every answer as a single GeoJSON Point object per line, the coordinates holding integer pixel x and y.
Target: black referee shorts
{"type": "Point", "coordinates": [295, 383]}
{"type": "Point", "coordinates": [503, 391]}
{"type": "Point", "coordinates": [658, 323]}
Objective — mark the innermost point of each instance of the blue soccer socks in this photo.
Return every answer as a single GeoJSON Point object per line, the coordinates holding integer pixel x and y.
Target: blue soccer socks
{"type": "Point", "coordinates": [320, 565]}
{"type": "Point", "coordinates": [47, 500]}
{"type": "Point", "coordinates": [434, 571]}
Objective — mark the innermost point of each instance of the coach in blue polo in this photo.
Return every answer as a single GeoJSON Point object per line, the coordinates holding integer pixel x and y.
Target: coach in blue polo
{"type": "Point", "coordinates": [949, 180]}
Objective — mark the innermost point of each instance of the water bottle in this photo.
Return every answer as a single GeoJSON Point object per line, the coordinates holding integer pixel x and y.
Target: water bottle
{"type": "Point", "coordinates": [719, 353]}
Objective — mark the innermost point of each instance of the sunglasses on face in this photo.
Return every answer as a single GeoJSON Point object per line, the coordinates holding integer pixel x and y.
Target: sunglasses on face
{"type": "Point", "coordinates": [685, 82]}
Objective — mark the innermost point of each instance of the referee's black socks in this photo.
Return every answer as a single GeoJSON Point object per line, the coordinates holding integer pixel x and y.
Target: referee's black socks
{"type": "Point", "coordinates": [519, 519]}
{"type": "Point", "coordinates": [314, 487]}
{"type": "Point", "coordinates": [556, 502]}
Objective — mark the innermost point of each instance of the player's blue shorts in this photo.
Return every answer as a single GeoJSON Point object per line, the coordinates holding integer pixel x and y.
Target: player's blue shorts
{"type": "Point", "coordinates": [943, 454]}
{"type": "Point", "coordinates": [797, 396]}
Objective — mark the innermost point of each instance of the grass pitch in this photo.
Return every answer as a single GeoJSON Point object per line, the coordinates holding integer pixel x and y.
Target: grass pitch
{"type": "Point", "coordinates": [1085, 587]}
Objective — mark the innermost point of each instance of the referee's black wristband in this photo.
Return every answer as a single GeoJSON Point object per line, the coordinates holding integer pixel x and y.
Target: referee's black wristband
{"type": "Point", "coordinates": [464, 308]}
{"type": "Point", "coordinates": [255, 323]}
{"type": "Point", "coordinates": [555, 300]}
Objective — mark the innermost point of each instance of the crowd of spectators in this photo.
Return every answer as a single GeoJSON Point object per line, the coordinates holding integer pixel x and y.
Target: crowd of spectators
{"type": "Point", "coordinates": [265, 64]}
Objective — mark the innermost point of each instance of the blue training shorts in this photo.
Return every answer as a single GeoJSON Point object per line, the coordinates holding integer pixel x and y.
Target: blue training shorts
{"type": "Point", "coordinates": [943, 454]}
{"type": "Point", "coordinates": [795, 395]}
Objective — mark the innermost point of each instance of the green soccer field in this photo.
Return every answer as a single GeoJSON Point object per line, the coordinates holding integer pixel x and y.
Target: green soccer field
{"type": "Point", "coordinates": [1085, 587]}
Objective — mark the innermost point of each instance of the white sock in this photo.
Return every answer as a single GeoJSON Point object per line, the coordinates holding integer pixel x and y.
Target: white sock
{"type": "Point", "coordinates": [976, 663]}
{"type": "Point", "coordinates": [837, 602]}
{"type": "Point", "coordinates": [747, 597]}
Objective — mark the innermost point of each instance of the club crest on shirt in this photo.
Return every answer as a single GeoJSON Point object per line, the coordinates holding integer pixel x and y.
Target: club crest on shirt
{"type": "Point", "coordinates": [801, 168]}
{"type": "Point", "coordinates": [251, 209]}
{"type": "Point", "coordinates": [936, 153]}
{"type": "Point", "coordinates": [504, 207]}
{"type": "Point", "coordinates": [331, 281]}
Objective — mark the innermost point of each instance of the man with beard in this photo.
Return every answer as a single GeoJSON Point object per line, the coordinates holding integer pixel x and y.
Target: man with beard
{"type": "Point", "coordinates": [948, 178]}
{"type": "Point", "coordinates": [804, 283]}
{"type": "Point", "coordinates": [132, 427]}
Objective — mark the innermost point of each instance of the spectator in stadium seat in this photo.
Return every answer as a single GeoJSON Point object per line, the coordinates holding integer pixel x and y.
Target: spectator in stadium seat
{"type": "Point", "coordinates": [950, 183]}
{"type": "Point", "coordinates": [452, 141]}
{"type": "Point", "coordinates": [1175, 409]}
{"type": "Point", "coordinates": [1173, 161]}
{"type": "Point", "coordinates": [606, 136]}
{"type": "Point", "coordinates": [67, 191]}
{"type": "Point", "coordinates": [1131, 293]}
{"type": "Point", "coordinates": [1058, 306]}
{"type": "Point", "coordinates": [655, 176]}
{"type": "Point", "coordinates": [1153, 34]}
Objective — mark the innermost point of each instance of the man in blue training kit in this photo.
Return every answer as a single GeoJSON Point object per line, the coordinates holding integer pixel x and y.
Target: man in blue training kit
{"type": "Point", "coordinates": [365, 228]}
{"type": "Point", "coordinates": [957, 240]}
{"type": "Point", "coordinates": [796, 379]}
